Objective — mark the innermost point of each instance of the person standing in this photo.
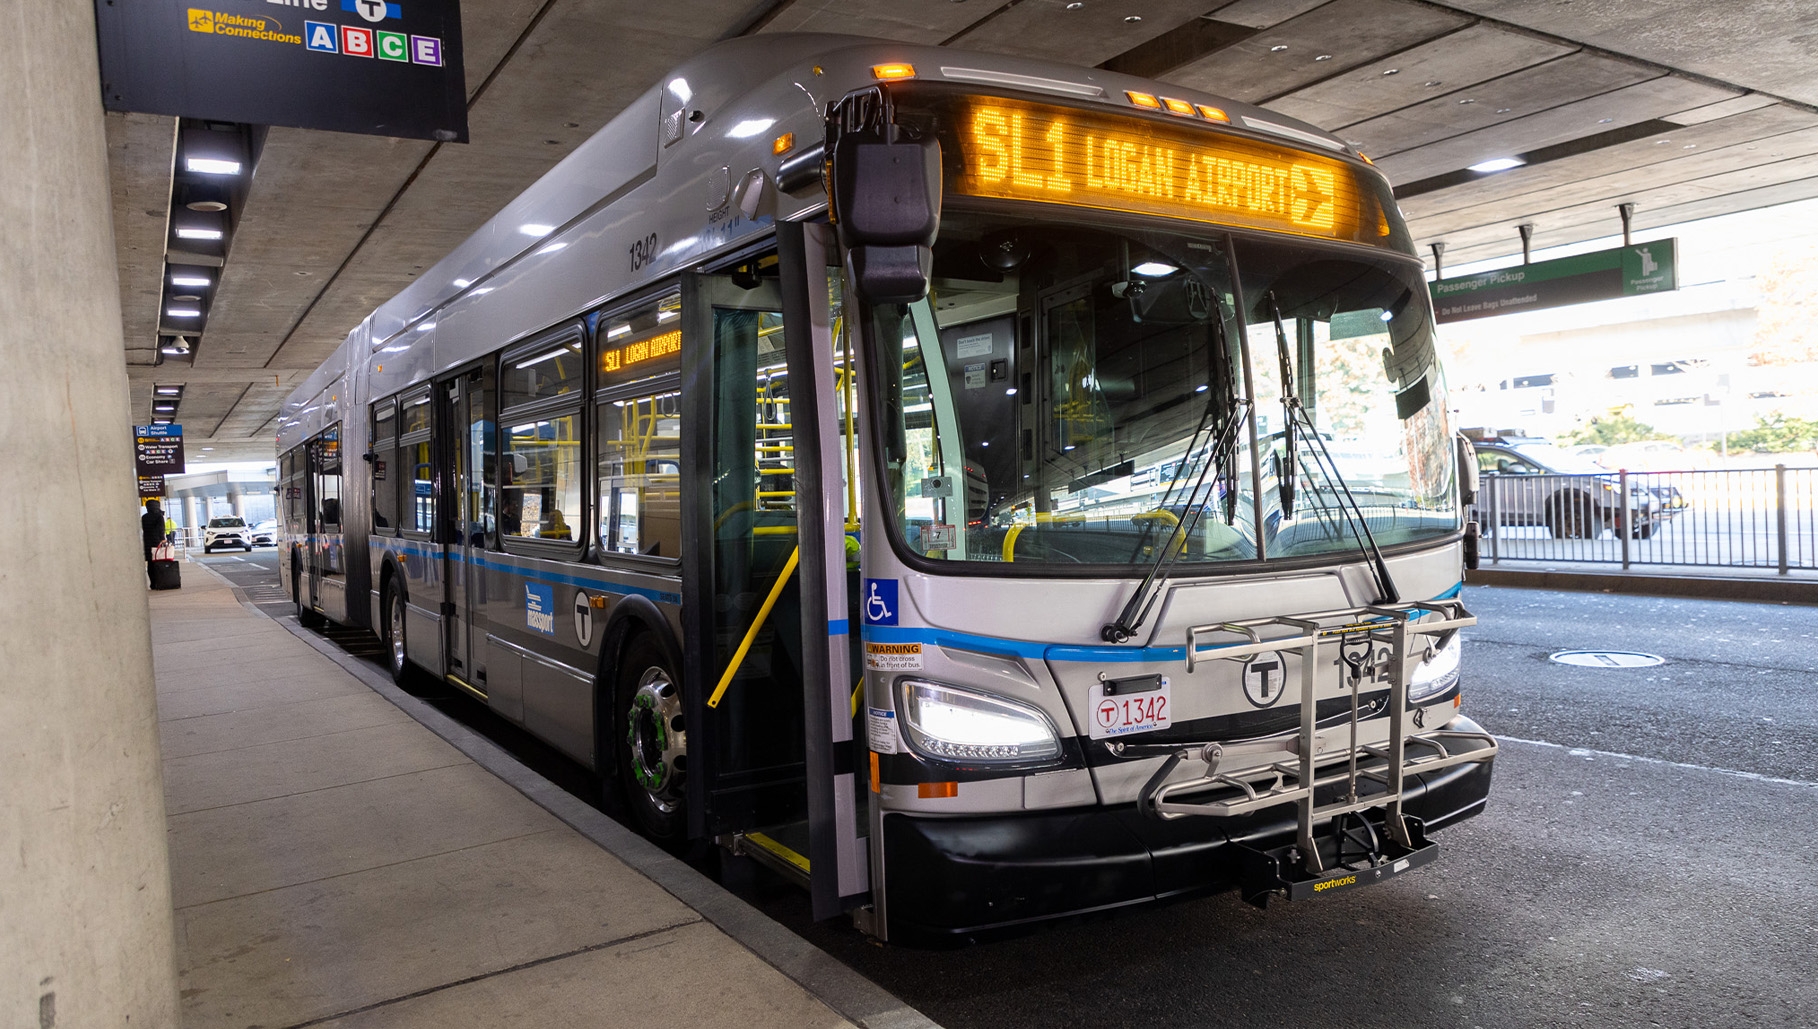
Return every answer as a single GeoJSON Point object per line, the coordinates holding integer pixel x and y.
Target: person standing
{"type": "Point", "coordinates": [151, 530]}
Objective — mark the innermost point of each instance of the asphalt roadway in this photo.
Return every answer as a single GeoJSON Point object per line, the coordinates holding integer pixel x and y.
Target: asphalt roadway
{"type": "Point", "coordinates": [1649, 858]}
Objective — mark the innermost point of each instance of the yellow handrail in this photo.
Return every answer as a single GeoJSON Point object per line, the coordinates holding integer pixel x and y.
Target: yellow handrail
{"type": "Point", "coordinates": [738, 656]}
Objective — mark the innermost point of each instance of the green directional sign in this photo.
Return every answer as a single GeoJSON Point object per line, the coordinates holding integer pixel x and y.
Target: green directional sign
{"type": "Point", "coordinates": [1602, 275]}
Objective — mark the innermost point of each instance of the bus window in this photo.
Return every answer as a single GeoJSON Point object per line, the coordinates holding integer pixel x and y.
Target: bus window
{"type": "Point", "coordinates": [639, 425]}
{"type": "Point", "coordinates": [384, 460]}
{"type": "Point", "coordinates": [416, 465]}
{"type": "Point", "coordinates": [542, 481]}
{"type": "Point", "coordinates": [640, 469]}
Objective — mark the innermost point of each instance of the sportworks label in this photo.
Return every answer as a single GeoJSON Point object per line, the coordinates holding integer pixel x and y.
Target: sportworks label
{"type": "Point", "coordinates": [1349, 880]}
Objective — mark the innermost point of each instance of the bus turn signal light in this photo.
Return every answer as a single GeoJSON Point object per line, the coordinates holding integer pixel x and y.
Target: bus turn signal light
{"type": "Point", "coordinates": [934, 790]}
{"type": "Point", "coordinates": [893, 71]}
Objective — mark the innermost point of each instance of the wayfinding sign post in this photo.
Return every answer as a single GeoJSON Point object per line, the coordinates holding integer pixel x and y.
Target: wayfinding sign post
{"type": "Point", "coordinates": [158, 451]}
{"type": "Point", "coordinates": [370, 66]}
{"type": "Point", "coordinates": [1601, 275]}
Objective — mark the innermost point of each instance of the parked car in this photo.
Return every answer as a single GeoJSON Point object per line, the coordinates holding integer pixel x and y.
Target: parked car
{"type": "Point", "coordinates": [265, 533]}
{"type": "Point", "coordinates": [1535, 482]}
{"type": "Point", "coordinates": [227, 531]}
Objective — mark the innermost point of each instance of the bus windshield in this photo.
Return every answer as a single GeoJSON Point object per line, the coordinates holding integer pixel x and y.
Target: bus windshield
{"type": "Point", "coordinates": [1055, 399]}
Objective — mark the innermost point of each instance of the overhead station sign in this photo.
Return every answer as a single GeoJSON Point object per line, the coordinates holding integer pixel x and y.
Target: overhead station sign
{"type": "Point", "coordinates": [1602, 275]}
{"type": "Point", "coordinates": [157, 452]}
{"type": "Point", "coordinates": [368, 66]}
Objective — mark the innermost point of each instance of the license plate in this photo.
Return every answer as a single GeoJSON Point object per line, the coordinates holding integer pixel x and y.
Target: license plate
{"type": "Point", "coordinates": [1127, 712]}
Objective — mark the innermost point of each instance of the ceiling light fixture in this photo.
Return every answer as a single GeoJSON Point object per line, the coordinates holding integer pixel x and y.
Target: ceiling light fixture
{"type": "Point", "coordinates": [195, 233]}
{"type": "Point", "coordinates": [211, 166]}
{"type": "Point", "coordinates": [189, 280]}
{"type": "Point", "coordinates": [183, 312]}
{"type": "Point", "coordinates": [1497, 164]}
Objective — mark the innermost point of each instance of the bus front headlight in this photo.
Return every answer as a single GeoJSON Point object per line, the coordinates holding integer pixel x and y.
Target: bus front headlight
{"type": "Point", "coordinates": [1438, 673]}
{"type": "Point", "coordinates": [949, 723]}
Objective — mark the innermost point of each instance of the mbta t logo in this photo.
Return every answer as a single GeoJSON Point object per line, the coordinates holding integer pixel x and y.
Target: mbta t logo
{"type": "Point", "coordinates": [372, 10]}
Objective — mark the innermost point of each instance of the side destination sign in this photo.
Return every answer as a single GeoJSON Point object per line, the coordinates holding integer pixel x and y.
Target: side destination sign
{"type": "Point", "coordinates": [1601, 275]}
{"type": "Point", "coordinates": [369, 66]}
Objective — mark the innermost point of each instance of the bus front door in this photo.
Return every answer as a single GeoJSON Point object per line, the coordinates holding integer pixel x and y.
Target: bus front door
{"type": "Point", "coordinates": [773, 758]}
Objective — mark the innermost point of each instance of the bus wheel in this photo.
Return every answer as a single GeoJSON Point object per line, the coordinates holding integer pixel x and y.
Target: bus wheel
{"type": "Point", "coordinates": [653, 742]}
{"type": "Point", "coordinates": [396, 658]}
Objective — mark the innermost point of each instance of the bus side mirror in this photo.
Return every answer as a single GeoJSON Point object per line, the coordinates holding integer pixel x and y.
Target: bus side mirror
{"type": "Point", "coordinates": [887, 199]}
{"type": "Point", "coordinates": [1467, 472]}
{"type": "Point", "coordinates": [885, 189]}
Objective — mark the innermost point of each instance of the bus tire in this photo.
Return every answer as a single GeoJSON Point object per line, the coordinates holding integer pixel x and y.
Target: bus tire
{"type": "Point", "coordinates": [652, 742]}
{"type": "Point", "coordinates": [391, 622]}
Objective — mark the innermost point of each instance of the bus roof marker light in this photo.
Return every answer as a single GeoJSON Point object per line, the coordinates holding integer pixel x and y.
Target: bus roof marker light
{"type": "Point", "coordinates": [1146, 100]}
{"type": "Point", "coordinates": [1497, 164]}
{"type": "Point", "coordinates": [1179, 107]}
{"type": "Point", "coordinates": [893, 71]}
{"type": "Point", "coordinates": [750, 127]}
{"type": "Point", "coordinates": [1211, 113]}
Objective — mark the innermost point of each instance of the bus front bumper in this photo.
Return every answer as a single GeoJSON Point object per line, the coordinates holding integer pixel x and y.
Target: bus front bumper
{"type": "Point", "coordinates": [953, 880]}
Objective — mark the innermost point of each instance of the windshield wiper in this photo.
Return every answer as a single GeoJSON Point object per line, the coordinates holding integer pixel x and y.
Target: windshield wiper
{"type": "Point", "coordinates": [1299, 425]}
{"type": "Point", "coordinates": [1220, 460]}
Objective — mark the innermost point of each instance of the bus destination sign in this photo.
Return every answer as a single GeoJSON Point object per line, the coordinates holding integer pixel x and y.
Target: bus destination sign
{"type": "Point", "coordinates": [1601, 275]}
{"type": "Point", "coordinates": [368, 66]}
{"type": "Point", "coordinates": [1014, 150]}
{"type": "Point", "coordinates": [642, 358]}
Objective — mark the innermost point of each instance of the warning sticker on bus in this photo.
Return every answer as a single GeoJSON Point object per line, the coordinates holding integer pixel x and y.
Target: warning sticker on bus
{"type": "Point", "coordinates": [893, 657]}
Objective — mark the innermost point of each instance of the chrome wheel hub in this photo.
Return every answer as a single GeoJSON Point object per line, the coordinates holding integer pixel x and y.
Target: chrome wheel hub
{"type": "Point", "coordinates": [658, 742]}
{"type": "Point", "coordinates": [396, 622]}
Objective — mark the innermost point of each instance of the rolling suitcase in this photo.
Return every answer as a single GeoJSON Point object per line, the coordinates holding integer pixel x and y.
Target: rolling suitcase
{"type": "Point", "coordinates": [165, 574]}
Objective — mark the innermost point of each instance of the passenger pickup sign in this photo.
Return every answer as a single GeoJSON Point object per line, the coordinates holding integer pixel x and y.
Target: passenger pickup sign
{"type": "Point", "coordinates": [1123, 709]}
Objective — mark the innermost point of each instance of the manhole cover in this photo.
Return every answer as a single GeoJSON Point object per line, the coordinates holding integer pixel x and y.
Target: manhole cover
{"type": "Point", "coordinates": [1607, 659]}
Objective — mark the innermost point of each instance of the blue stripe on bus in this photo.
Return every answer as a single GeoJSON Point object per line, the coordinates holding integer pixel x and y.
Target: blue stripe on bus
{"type": "Point", "coordinates": [838, 627]}
{"type": "Point", "coordinates": [589, 582]}
{"type": "Point", "coordinates": [1046, 651]}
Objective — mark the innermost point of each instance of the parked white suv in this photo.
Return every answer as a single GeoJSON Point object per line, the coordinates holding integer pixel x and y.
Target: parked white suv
{"type": "Point", "coordinates": [226, 532]}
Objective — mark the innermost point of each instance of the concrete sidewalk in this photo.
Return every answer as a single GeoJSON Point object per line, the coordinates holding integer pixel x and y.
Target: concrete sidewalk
{"type": "Point", "coordinates": [336, 863]}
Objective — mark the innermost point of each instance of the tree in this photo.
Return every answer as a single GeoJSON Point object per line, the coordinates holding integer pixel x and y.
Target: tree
{"type": "Point", "coordinates": [1618, 426]}
{"type": "Point", "coordinates": [1777, 434]}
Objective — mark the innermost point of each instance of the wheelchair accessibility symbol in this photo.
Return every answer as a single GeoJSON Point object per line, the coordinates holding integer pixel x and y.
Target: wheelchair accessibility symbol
{"type": "Point", "coordinates": [880, 601]}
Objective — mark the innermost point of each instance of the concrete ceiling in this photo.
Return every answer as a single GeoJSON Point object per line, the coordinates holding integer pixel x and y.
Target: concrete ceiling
{"type": "Point", "coordinates": [1686, 108]}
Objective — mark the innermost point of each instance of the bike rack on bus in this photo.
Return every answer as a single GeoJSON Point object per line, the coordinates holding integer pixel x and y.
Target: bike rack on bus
{"type": "Point", "coordinates": [1282, 769]}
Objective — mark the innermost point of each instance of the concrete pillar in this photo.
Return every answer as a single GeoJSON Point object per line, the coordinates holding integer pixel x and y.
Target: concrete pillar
{"type": "Point", "coordinates": [237, 501]}
{"type": "Point", "coordinates": [85, 902]}
{"type": "Point", "coordinates": [193, 519]}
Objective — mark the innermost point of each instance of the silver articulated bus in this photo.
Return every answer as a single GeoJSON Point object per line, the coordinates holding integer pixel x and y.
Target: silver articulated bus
{"type": "Point", "coordinates": [982, 489]}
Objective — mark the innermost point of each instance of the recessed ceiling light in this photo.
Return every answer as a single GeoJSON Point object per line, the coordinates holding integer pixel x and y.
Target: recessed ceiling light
{"type": "Point", "coordinates": [1467, 100]}
{"type": "Point", "coordinates": [183, 312]}
{"type": "Point", "coordinates": [1278, 48]}
{"type": "Point", "coordinates": [533, 229]}
{"type": "Point", "coordinates": [210, 206]}
{"type": "Point", "coordinates": [1323, 57]}
{"type": "Point", "coordinates": [208, 448]}
{"type": "Point", "coordinates": [186, 297]}
{"type": "Point", "coordinates": [194, 233]}
{"type": "Point", "coordinates": [1392, 71]}
{"type": "Point", "coordinates": [1430, 83]}
{"type": "Point", "coordinates": [1497, 164]}
{"type": "Point", "coordinates": [1133, 19]}
{"type": "Point", "coordinates": [211, 166]}
{"type": "Point", "coordinates": [169, 391]}
{"type": "Point", "coordinates": [188, 280]}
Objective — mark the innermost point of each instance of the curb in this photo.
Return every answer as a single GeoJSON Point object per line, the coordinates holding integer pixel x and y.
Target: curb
{"type": "Point", "coordinates": [846, 992]}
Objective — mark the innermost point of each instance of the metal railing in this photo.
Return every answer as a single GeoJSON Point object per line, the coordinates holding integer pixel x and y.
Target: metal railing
{"type": "Point", "coordinates": [1763, 518]}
